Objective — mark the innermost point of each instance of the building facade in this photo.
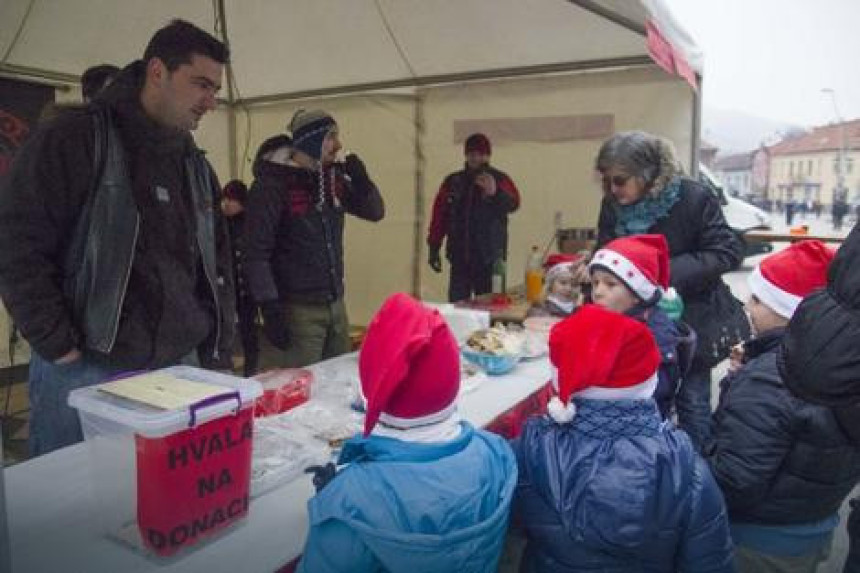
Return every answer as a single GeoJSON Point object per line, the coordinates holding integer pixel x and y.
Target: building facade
{"type": "Point", "coordinates": [818, 166]}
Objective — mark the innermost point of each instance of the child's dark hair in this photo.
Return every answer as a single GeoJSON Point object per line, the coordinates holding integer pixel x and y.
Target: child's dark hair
{"type": "Point", "coordinates": [178, 41]}
{"type": "Point", "coordinates": [94, 79]}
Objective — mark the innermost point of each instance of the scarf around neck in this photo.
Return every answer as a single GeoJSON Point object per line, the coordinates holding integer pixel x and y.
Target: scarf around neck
{"type": "Point", "coordinates": [637, 218]}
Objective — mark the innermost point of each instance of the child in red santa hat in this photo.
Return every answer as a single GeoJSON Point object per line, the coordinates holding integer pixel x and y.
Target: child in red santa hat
{"type": "Point", "coordinates": [604, 484]}
{"type": "Point", "coordinates": [631, 276]}
{"type": "Point", "coordinates": [561, 293]}
{"type": "Point", "coordinates": [423, 490]}
{"type": "Point", "coordinates": [785, 465]}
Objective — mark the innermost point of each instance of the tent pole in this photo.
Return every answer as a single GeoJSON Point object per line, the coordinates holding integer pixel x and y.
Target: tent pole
{"type": "Point", "coordinates": [696, 126]}
{"type": "Point", "coordinates": [232, 136]}
{"type": "Point", "coordinates": [442, 79]}
{"type": "Point", "coordinates": [600, 10]}
{"type": "Point", "coordinates": [417, 249]}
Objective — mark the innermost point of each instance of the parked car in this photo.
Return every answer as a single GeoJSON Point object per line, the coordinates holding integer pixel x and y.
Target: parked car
{"type": "Point", "coordinates": [741, 216]}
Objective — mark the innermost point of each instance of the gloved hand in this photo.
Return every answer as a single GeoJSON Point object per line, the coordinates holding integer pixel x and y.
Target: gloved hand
{"type": "Point", "coordinates": [672, 304]}
{"type": "Point", "coordinates": [275, 324]}
{"type": "Point", "coordinates": [322, 475]}
{"type": "Point", "coordinates": [434, 259]}
{"type": "Point", "coordinates": [355, 168]}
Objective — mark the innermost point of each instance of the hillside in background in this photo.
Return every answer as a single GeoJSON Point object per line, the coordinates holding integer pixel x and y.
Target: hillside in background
{"type": "Point", "coordinates": [735, 131]}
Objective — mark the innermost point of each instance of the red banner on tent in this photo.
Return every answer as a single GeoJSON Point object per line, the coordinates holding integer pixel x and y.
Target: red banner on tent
{"type": "Point", "coordinates": [684, 69]}
{"type": "Point", "coordinates": [659, 47]}
{"type": "Point", "coordinates": [666, 56]}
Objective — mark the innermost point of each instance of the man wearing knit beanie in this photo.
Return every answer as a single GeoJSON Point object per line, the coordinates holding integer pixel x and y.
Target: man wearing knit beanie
{"type": "Point", "coordinates": [471, 209]}
{"type": "Point", "coordinates": [295, 223]}
{"type": "Point", "coordinates": [785, 465]}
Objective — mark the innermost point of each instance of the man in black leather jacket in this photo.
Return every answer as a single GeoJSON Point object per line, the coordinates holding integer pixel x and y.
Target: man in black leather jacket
{"type": "Point", "coordinates": [116, 257]}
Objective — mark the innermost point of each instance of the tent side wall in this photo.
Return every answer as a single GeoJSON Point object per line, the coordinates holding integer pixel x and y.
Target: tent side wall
{"type": "Point", "coordinates": [380, 130]}
{"type": "Point", "coordinates": [552, 176]}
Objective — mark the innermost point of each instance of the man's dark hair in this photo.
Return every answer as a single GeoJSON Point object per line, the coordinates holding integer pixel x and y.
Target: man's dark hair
{"type": "Point", "coordinates": [178, 41]}
{"type": "Point", "coordinates": [94, 79]}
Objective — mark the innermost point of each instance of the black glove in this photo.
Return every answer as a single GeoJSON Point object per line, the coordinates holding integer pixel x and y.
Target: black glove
{"type": "Point", "coordinates": [355, 168]}
{"type": "Point", "coordinates": [322, 475]}
{"type": "Point", "coordinates": [434, 259]}
{"type": "Point", "coordinates": [275, 324]}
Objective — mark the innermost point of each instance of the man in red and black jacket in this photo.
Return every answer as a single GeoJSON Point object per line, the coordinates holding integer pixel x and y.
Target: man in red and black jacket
{"type": "Point", "coordinates": [472, 209]}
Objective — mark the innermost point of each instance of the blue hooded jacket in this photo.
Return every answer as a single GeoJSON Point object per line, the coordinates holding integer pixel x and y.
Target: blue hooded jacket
{"type": "Point", "coordinates": [414, 508]}
{"type": "Point", "coordinates": [617, 490]}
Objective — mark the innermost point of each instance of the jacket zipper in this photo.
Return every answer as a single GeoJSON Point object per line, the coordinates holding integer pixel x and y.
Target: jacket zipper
{"type": "Point", "coordinates": [214, 287]}
{"type": "Point", "coordinates": [124, 285]}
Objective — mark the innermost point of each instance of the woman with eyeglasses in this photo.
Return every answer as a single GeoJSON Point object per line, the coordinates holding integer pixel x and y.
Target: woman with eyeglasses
{"type": "Point", "coordinates": [645, 191]}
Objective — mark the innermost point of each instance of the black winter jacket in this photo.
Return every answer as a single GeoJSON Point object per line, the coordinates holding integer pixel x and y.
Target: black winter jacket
{"type": "Point", "coordinates": [294, 240]}
{"type": "Point", "coordinates": [170, 292]}
{"type": "Point", "coordinates": [476, 227]}
{"type": "Point", "coordinates": [821, 358]}
{"type": "Point", "coordinates": [702, 247]}
{"type": "Point", "coordinates": [778, 459]}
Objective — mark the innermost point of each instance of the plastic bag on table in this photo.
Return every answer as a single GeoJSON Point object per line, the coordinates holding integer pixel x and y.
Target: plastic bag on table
{"type": "Point", "coordinates": [331, 425]}
{"type": "Point", "coordinates": [282, 451]}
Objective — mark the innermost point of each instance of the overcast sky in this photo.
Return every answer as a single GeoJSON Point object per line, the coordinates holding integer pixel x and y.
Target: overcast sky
{"type": "Point", "coordinates": [771, 58]}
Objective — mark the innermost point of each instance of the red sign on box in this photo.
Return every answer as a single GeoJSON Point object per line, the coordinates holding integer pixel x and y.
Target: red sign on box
{"type": "Point", "coordinates": [193, 483]}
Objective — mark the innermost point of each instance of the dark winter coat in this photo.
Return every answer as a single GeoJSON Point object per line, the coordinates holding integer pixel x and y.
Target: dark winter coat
{"type": "Point", "coordinates": [476, 227]}
{"type": "Point", "coordinates": [677, 343]}
{"type": "Point", "coordinates": [294, 237]}
{"type": "Point", "coordinates": [779, 460]}
{"type": "Point", "coordinates": [702, 247]}
{"type": "Point", "coordinates": [821, 357]}
{"type": "Point", "coordinates": [617, 490]}
{"type": "Point", "coordinates": [140, 295]}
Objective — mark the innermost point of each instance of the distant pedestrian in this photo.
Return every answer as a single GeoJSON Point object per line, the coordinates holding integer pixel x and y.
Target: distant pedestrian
{"type": "Point", "coordinates": [838, 211]}
{"type": "Point", "coordinates": [789, 212]}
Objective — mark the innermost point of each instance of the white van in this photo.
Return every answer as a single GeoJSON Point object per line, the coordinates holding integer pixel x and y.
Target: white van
{"type": "Point", "coordinates": [740, 215]}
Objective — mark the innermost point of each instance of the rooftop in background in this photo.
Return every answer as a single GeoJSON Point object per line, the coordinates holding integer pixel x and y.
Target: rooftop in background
{"type": "Point", "coordinates": [735, 162]}
{"type": "Point", "coordinates": [825, 138]}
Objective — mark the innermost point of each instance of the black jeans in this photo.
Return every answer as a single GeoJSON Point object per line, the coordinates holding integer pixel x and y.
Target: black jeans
{"type": "Point", "coordinates": [468, 279]}
{"type": "Point", "coordinates": [246, 312]}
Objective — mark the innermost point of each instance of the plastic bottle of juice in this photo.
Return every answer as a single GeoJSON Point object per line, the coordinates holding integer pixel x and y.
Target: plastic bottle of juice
{"type": "Point", "coordinates": [534, 275]}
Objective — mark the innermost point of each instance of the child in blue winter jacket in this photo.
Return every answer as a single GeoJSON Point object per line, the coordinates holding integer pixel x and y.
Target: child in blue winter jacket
{"type": "Point", "coordinates": [785, 465]}
{"type": "Point", "coordinates": [424, 491]}
{"type": "Point", "coordinates": [604, 484]}
{"type": "Point", "coordinates": [630, 276]}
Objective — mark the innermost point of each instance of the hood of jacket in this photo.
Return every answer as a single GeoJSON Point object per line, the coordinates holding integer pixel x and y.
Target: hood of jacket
{"type": "Point", "coordinates": [383, 497]}
{"type": "Point", "coordinates": [122, 96]}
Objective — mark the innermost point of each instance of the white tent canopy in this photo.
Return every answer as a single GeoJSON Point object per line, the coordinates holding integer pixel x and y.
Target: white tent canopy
{"type": "Point", "coordinates": [548, 80]}
{"type": "Point", "coordinates": [290, 47]}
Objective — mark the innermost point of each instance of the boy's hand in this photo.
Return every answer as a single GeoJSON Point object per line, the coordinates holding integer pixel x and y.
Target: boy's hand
{"type": "Point", "coordinates": [736, 357]}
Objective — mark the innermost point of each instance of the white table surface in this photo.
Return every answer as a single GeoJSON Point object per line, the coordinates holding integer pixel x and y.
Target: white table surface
{"type": "Point", "coordinates": [50, 504]}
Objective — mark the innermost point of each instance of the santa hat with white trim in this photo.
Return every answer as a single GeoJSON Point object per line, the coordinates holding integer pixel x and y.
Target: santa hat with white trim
{"type": "Point", "coordinates": [559, 263]}
{"type": "Point", "coordinates": [601, 355]}
{"type": "Point", "coordinates": [409, 366]}
{"type": "Point", "coordinates": [640, 261]}
{"type": "Point", "coordinates": [783, 279]}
